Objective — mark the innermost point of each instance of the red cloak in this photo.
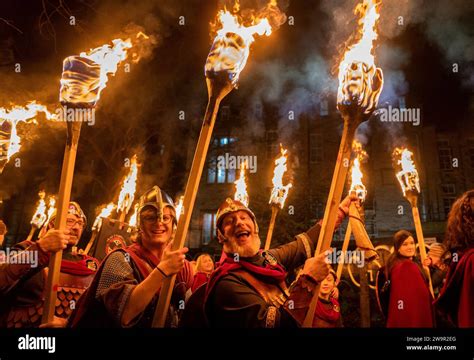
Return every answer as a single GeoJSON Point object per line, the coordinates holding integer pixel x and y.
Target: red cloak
{"type": "Point", "coordinates": [410, 298]}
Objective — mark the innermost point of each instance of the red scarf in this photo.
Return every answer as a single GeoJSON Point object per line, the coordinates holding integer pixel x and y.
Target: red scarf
{"type": "Point", "coordinates": [326, 312]}
{"type": "Point", "coordinates": [140, 256]}
{"type": "Point", "coordinates": [227, 264]}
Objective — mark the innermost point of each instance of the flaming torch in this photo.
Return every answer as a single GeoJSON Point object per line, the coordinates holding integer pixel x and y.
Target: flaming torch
{"type": "Point", "coordinates": [360, 85]}
{"type": "Point", "coordinates": [410, 183]}
{"type": "Point", "coordinates": [356, 221]}
{"type": "Point", "coordinates": [127, 193]}
{"type": "Point", "coordinates": [279, 193]}
{"type": "Point", "coordinates": [83, 79]}
{"type": "Point", "coordinates": [226, 60]}
{"type": "Point", "coordinates": [10, 141]}
{"type": "Point", "coordinates": [104, 213]}
{"type": "Point", "coordinates": [241, 193]}
{"type": "Point", "coordinates": [39, 217]}
{"type": "Point", "coordinates": [51, 207]}
{"type": "Point", "coordinates": [179, 207]}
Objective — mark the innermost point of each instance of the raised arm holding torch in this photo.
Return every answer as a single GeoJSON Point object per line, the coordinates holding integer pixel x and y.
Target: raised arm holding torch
{"type": "Point", "coordinates": [226, 60]}
{"type": "Point", "coordinates": [360, 85]}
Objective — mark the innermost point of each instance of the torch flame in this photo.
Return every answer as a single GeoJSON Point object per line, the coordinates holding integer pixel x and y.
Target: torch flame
{"type": "Point", "coordinates": [358, 76]}
{"type": "Point", "coordinates": [231, 47]}
{"type": "Point", "coordinates": [129, 187]}
{"type": "Point", "coordinates": [280, 191]}
{"type": "Point", "coordinates": [357, 185]}
{"type": "Point", "coordinates": [104, 213]}
{"type": "Point", "coordinates": [133, 219]}
{"type": "Point", "coordinates": [39, 217]}
{"type": "Point", "coordinates": [86, 75]}
{"type": "Point", "coordinates": [18, 114]}
{"type": "Point", "coordinates": [179, 207]}
{"type": "Point", "coordinates": [408, 175]}
{"type": "Point", "coordinates": [51, 206]}
{"type": "Point", "coordinates": [241, 187]}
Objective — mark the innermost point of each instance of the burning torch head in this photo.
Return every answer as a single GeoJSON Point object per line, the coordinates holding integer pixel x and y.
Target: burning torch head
{"type": "Point", "coordinates": [230, 206]}
{"type": "Point", "coordinates": [80, 82]}
{"type": "Point", "coordinates": [158, 199]}
{"type": "Point", "coordinates": [359, 90]}
{"type": "Point", "coordinates": [5, 129]}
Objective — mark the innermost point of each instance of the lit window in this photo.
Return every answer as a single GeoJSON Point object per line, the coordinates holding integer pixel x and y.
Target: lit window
{"type": "Point", "coordinates": [208, 227]}
{"type": "Point", "coordinates": [323, 108]}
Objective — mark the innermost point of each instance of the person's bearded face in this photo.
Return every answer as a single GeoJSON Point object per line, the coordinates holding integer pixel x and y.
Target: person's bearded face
{"type": "Point", "coordinates": [240, 236]}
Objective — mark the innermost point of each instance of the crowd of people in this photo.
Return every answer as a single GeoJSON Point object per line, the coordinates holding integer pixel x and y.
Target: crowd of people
{"type": "Point", "coordinates": [247, 288]}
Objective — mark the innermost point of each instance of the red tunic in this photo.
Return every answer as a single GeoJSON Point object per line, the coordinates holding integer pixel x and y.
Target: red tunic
{"type": "Point", "coordinates": [199, 279]}
{"type": "Point", "coordinates": [410, 298]}
{"type": "Point", "coordinates": [457, 296]}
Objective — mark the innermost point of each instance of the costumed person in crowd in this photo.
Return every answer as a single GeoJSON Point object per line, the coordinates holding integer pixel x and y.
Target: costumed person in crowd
{"type": "Point", "coordinates": [3, 232]}
{"type": "Point", "coordinates": [436, 262]}
{"type": "Point", "coordinates": [23, 276]}
{"type": "Point", "coordinates": [456, 298]}
{"type": "Point", "coordinates": [248, 288]}
{"type": "Point", "coordinates": [124, 293]}
{"type": "Point", "coordinates": [410, 299]}
{"type": "Point", "coordinates": [328, 310]}
{"type": "Point", "coordinates": [204, 269]}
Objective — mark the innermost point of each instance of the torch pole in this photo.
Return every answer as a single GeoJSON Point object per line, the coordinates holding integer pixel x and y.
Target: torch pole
{"type": "Point", "coordinates": [332, 205]}
{"type": "Point", "coordinates": [360, 233]}
{"type": "Point", "coordinates": [91, 242]}
{"type": "Point", "coordinates": [64, 195]}
{"type": "Point", "coordinates": [32, 232]}
{"type": "Point", "coordinates": [345, 245]}
{"type": "Point", "coordinates": [413, 199]}
{"type": "Point", "coordinates": [218, 88]}
{"type": "Point", "coordinates": [268, 241]}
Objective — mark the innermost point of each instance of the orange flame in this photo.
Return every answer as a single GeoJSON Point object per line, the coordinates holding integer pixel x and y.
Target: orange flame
{"type": "Point", "coordinates": [133, 219]}
{"type": "Point", "coordinates": [104, 213]}
{"type": "Point", "coordinates": [357, 185]}
{"type": "Point", "coordinates": [231, 47]}
{"type": "Point", "coordinates": [362, 50]}
{"type": "Point", "coordinates": [280, 191]}
{"type": "Point", "coordinates": [179, 207]}
{"type": "Point", "coordinates": [39, 217]}
{"type": "Point", "coordinates": [241, 187]}
{"type": "Point", "coordinates": [86, 75]}
{"type": "Point", "coordinates": [408, 175]}
{"type": "Point", "coordinates": [51, 206]}
{"type": "Point", "coordinates": [18, 114]}
{"type": "Point", "coordinates": [129, 187]}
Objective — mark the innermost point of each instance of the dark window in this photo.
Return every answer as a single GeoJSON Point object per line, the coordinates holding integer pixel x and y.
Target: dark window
{"type": "Point", "coordinates": [217, 172]}
{"type": "Point", "coordinates": [272, 147]}
{"type": "Point", "coordinates": [447, 202]}
{"type": "Point", "coordinates": [316, 148]}
{"type": "Point", "coordinates": [208, 227]}
{"type": "Point", "coordinates": [323, 107]}
{"type": "Point", "coordinates": [449, 189]}
{"type": "Point", "coordinates": [445, 155]}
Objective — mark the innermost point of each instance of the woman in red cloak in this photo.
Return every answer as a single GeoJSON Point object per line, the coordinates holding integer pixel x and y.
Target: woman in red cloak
{"type": "Point", "coordinates": [410, 298]}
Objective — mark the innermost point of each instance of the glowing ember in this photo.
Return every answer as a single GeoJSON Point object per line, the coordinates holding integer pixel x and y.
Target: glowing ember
{"type": "Point", "coordinates": [241, 187]}
{"type": "Point", "coordinates": [179, 207]}
{"type": "Point", "coordinates": [51, 206]}
{"type": "Point", "coordinates": [359, 79]}
{"type": "Point", "coordinates": [104, 213]}
{"type": "Point", "coordinates": [231, 46]}
{"type": "Point", "coordinates": [39, 217]}
{"type": "Point", "coordinates": [129, 187]}
{"type": "Point", "coordinates": [357, 185]}
{"type": "Point", "coordinates": [408, 175]}
{"type": "Point", "coordinates": [133, 219]}
{"type": "Point", "coordinates": [279, 191]}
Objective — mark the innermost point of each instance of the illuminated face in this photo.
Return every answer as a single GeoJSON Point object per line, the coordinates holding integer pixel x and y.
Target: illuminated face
{"type": "Point", "coordinates": [407, 248]}
{"type": "Point", "coordinates": [154, 231]}
{"type": "Point", "coordinates": [75, 224]}
{"type": "Point", "coordinates": [238, 229]}
{"type": "Point", "coordinates": [206, 264]}
{"type": "Point", "coordinates": [327, 285]}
